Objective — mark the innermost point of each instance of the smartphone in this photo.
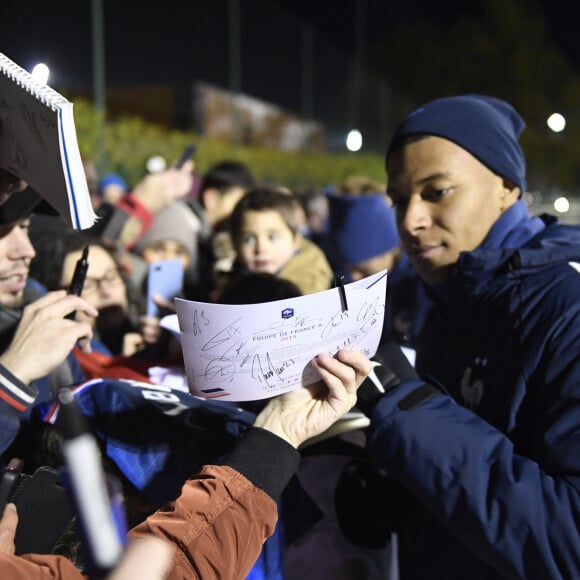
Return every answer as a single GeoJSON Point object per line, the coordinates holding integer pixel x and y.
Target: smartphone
{"type": "Point", "coordinates": [44, 511]}
{"type": "Point", "coordinates": [187, 154]}
{"type": "Point", "coordinates": [165, 278]}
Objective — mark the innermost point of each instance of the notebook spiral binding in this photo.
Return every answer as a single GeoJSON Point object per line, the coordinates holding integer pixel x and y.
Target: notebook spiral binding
{"type": "Point", "coordinates": [43, 93]}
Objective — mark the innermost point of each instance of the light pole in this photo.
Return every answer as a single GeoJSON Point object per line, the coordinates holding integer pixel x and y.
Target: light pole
{"type": "Point", "coordinates": [307, 54]}
{"type": "Point", "coordinates": [99, 80]}
{"type": "Point", "coordinates": [354, 139]}
{"type": "Point", "coordinates": [235, 68]}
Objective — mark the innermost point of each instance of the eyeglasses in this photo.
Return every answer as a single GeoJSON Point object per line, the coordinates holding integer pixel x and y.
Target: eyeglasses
{"type": "Point", "coordinates": [111, 278]}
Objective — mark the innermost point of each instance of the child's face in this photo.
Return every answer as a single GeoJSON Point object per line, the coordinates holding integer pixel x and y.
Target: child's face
{"type": "Point", "coordinates": [166, 250]}
{"type": "Point", "coordinates": [265, 243]}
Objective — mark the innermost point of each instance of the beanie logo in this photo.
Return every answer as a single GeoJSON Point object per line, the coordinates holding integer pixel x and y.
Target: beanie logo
{"type": "Point", "coordinates": [287, 313]}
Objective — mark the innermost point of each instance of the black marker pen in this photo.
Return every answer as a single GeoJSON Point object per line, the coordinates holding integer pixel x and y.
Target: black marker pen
{"type": "Point", "coordinates": [103, 534]}
{"type": "Point", "coordinates": [339, 281]}
{"type": "Point", "coordinates": [78, 279]}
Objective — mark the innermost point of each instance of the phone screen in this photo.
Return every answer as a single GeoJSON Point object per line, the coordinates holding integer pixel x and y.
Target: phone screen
{"type": "Point", "coordinates": [166, 279]}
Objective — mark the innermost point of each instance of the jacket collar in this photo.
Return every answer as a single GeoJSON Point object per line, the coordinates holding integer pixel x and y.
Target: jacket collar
{"type": "Point", "coordinates": [516, 241]}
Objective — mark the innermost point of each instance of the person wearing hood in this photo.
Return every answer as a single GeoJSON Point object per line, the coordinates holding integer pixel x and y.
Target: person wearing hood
{"type": "Point", "coordinates": [481, 443]}
{"type": "Point", "coordinates": [36, 337]}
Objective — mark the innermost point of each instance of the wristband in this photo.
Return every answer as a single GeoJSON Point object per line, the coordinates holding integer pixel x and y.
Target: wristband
{"type": "Point", "coordinates": [134, 208]}
{"type": "Point", "coordinates": [380, 380]}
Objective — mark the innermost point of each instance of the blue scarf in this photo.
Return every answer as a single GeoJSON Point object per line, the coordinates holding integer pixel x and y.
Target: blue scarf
{"type": "Point", "coordinates": [513, 229]}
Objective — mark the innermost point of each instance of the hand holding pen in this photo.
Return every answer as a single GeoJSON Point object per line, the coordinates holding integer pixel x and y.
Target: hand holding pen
{"type": "Point", "coordinates": [44, 337]}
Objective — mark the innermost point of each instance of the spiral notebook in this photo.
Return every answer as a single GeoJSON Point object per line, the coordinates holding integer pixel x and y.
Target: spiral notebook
{"type": "Point", "coordinates": [38, 143]}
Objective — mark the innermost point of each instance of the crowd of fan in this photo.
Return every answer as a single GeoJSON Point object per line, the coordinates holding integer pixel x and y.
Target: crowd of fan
{"type": "Point", "coordinates": [440, 482]}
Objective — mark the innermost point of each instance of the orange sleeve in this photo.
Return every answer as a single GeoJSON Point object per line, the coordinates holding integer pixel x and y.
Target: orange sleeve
{"type": "Point", "coordinates": [37, 567]}
{"type": "Point", "coordinates": [218, 525]}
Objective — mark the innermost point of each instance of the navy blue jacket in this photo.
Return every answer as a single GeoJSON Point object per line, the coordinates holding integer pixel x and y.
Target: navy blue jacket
{"type": "Point", "coordinates": [493, 464]}
{"type": "Point", "coordinates": [16, 398]}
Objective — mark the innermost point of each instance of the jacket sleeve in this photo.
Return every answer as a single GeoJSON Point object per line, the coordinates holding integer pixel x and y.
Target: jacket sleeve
{"type": "Point", "coordinates": [125, 222]}
{"type": "Point", "coordinates": [15, 399]}
{"type": "Point", "coordinates": [521, 515]}
{"type": "Point", "coordinates": [37, 567]}
{"type": "Point", "coordinates": [226, 512]}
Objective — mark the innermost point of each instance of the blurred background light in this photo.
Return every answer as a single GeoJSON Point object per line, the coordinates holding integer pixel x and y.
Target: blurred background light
{"type": "Point", "coordinates": [40, 73]}
{"type": "Point", "coordinates": [156, 164]}
{"type": "Point", "coordinates": [556, 122]}
{"type": "Point", "coordinates": [562, 205]}
{"type": "Point", "coordinates": [354, 140]}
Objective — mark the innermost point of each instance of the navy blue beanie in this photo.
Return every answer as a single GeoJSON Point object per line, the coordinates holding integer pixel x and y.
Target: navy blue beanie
{"type": "Point", "coordinates": [361, 227]}
{"type": "Point", "coordinates": [487, 127]}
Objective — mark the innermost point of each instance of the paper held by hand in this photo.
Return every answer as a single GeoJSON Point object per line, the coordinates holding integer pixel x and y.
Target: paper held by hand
{"type": "Point", "coordinates": [256, 351]}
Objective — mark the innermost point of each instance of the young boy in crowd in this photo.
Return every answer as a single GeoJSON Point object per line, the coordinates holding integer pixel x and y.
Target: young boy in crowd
{"type": "Point", "coordinates": [265, 231]}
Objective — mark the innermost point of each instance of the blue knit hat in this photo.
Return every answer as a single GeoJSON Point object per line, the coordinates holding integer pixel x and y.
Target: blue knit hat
{"type": "Point", "coordinates": [361, 227]}
{"type": "Point", "coordinates": [487, 127]}
{"type": "Point", "coordinates": [112, 179]}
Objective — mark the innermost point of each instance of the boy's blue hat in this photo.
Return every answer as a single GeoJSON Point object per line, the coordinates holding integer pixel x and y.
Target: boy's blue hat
{"type": "Point", "coordinates": [487, 127]}
{"type": "Point", "coordinates": [112, 179]}
{"type": "Point", "coordinates": [361, 227]}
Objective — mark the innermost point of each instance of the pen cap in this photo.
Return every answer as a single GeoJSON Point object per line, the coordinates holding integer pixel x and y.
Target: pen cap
{"type": "Point", "coordinates": [71, 421]}
{"type": "Point", "coordinates": [85, 254]}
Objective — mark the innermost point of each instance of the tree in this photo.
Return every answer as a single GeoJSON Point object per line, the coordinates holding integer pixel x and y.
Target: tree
{"type": "Point", "coordinates": [502, 48]}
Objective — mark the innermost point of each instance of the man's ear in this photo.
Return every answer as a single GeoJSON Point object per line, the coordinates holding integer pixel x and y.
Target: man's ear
{"type": "Point", "coordinates": [510, 194]}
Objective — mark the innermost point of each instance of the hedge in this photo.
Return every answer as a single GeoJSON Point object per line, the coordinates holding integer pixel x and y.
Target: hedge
{"type": "Point", "coordinates": [130, 141]}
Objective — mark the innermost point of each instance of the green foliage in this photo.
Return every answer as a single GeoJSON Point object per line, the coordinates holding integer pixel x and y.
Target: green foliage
{"type": "Point", "coordinates": [130, 141]}
{"type": "Point", "coordinates": [87, 123]}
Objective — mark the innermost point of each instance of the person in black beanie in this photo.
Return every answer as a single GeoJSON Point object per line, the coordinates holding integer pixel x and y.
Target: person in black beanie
{"type": "Point", "coordinates": [480, 441]}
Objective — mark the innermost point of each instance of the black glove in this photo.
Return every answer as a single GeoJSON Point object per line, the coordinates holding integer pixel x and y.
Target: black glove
{"type": "Point", "coordinates": [361, 501]}
{"type": "Point", "coordinates": [392, 369]}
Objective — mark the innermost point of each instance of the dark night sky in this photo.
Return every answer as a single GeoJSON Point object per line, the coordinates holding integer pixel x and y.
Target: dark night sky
{"type": "Point", "coordinates": [164, 42]}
